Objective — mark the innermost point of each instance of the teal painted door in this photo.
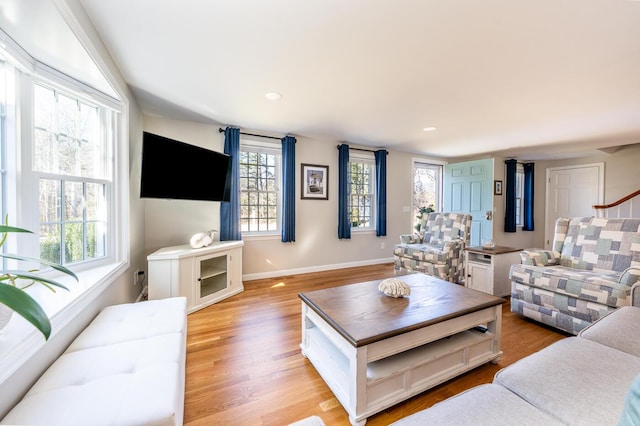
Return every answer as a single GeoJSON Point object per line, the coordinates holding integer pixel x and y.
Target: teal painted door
{"type": "Point", "coordinates": [468, 188]}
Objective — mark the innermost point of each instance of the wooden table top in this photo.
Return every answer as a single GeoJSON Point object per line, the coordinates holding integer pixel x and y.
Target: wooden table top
{"type": "Point", "coordinates": [363, 315]}
{"type": "Point", "coordinates": [493, 250]}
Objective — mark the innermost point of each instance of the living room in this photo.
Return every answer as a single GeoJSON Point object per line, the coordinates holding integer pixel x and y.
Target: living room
{"type": "Point", "coordinates": [153, 224]}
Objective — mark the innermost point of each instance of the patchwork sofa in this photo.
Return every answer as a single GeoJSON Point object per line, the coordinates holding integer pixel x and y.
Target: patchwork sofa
{"type": "Point", "coordinates": [127, 367]}
{"type": "Point", "coordinates": [592, 270]}
{"type": "Point", "coordinates": [437, 249]}
{"type": "Point", "coordinates": [589, 379]}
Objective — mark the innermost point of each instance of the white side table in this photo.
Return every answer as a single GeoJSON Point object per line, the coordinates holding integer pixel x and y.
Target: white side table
{"type": "Point", "coordinates": [488, 269]}
{"type": "Point", "coordinates": [204, 275]}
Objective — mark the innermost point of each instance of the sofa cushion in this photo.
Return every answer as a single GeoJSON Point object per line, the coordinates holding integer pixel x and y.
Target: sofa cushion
{"type": "Point", "coordinates": [614, 330]}
{"type": "Point", "coordinates": [126, 368]}
{"type": "Point", "coordinates": [581, 309]}
{"type": "Point", "coordinates": [422, 252]}
{"type": "Point", "coordinates": [576, 380]}
{"type": "Point", "coordinates": [133, 321]}
{"type": "Point", "coordinates": [598, 287]}
{"type": "Point", "coordinates": [549, 316]}
{"type": "Point", "coordinates": [439, 227]}
{"type": "Point", "coordinates": [601, 244]}
{"type": "Point", "coordinates": [488, 404]}
{"type": "Point", "coordinates": [135, 382]}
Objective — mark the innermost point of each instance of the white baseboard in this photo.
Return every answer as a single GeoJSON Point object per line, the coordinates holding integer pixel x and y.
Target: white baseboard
{"type": "Point", "coordinates": [319, 268]}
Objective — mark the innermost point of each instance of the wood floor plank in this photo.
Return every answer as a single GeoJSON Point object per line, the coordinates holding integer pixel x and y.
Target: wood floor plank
{"type": "Point", "coordinates": [244, 365]}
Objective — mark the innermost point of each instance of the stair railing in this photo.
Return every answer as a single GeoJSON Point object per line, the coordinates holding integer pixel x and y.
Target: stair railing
{"type": "Point", "coordinates": [624, 207]}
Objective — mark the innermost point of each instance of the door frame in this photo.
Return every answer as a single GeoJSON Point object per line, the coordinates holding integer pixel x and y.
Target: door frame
{"type": "Point", "coordinates": [549, 170]}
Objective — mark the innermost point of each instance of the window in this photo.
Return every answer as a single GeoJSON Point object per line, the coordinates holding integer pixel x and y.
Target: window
{"type": "Point", "coordinates": [3, 139]}
{"type": "Point", "coordinates": [519, 195]}
{"type": "Point", "coordinates": [427, 183]}
{"type": "Point", "coordinates": [362, 192]}
{"type": "Point", "coordinates": [59, 175]}
{"type": "Point", "coordinates": [260, 194]}
{"type": "Point", "coordinates": [70, 163]}
{"type": "Point", "coordinates": [64, 176]}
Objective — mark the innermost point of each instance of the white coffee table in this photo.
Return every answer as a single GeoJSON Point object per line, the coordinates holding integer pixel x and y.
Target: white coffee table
{"type": "Point", "coordinates": [374, 351]}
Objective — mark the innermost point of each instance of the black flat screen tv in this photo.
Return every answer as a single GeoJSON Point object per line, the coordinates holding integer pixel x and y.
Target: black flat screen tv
{"type": "Point", "coordinates": [176, 170]}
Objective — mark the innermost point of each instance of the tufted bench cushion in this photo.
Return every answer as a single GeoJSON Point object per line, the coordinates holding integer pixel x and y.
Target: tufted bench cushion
{"type": "Point", "coordinates": [126, 368]}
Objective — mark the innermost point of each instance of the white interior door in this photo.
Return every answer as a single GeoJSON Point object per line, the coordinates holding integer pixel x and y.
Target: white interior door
{"type": "Point", "coordinates": [571, 192]}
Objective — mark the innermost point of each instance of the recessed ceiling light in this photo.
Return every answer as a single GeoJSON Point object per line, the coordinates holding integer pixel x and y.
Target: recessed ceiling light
{"type": "Point", "coordinates": [429, 129]}
{"type": "Point", "coordinates": [273, 96]}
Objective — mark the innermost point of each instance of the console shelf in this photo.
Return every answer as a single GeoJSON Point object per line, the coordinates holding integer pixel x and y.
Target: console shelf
{"type": "Point", "coordinates": [204, 276]}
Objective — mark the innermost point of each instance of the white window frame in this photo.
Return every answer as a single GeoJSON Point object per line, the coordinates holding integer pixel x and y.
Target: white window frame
{"type": "Point", "coordinates": [368, 158]}
{"type": "Point", "coordinates": [108, 119]}
{"type": "Point", "coordinates": [20, 340]}
{"type": "Point", "coordinates": [274, 148]}
{"type": "Point", "coordinates": [519, 195]}
{"type": "Point", "coordinates": [427, 164]}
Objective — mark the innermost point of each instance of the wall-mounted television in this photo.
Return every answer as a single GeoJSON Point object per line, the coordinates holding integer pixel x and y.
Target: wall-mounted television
{"type": "Point", "coordinates": [173, 169]}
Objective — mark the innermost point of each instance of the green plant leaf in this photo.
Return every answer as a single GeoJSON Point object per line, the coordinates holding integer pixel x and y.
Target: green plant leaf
{"type": "Point", "coordinates": [42, 262]}
{"type": "Point", "coordinates": [30, 276]}
{"type": "Point", "coordinates": [6, 228]}
{"type": "Point", "coordinates": [22, 304]}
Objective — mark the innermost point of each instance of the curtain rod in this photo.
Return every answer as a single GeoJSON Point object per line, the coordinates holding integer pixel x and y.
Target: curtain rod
{"type": "Point", "coordinates": [221, 130]}
{"type": "Point", "coordinates": [361, 149]}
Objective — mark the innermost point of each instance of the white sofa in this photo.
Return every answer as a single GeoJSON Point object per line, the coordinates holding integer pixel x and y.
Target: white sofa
{"type": "Point", "coordinates": [591, 379]}
{"type": "Point", "coordinates": [126, 368]}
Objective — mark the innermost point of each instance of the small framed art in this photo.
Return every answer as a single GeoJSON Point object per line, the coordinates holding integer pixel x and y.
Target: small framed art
{"type": "Point", "coordinates": [315, 182]}
{"type": "Point", "coordinates": [497, 187]}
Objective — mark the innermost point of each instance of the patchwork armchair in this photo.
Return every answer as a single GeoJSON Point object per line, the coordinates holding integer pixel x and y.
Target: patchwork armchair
{"type": "Point", "coordinates": [592, 270]}
{"type": "Point", "coordinates": [438, 247]}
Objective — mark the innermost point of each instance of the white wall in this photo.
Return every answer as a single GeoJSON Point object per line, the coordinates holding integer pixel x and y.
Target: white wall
{"type": "Point", "coordinates": [173, 222]}
{"type": "Point", "coordinates": [519, 239]}
{"type": "Point", "coordinates": [621, 177]}
{"type": "Point", "coordinates": [317, 245]}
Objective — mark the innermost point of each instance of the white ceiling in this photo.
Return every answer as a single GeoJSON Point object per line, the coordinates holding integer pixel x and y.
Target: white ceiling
{"type": "Point", "coordinates": [540, 79]}
{"type": "Point", "coordinates": [38, 28]}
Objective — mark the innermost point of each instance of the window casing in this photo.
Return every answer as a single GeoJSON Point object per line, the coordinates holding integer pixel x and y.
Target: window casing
{"type": "Point", "coordinates": [71, 163]}
{"type": "Point", "coordinates": [519, 195]}
{"type": "Point", "coordinates": [99, 199]}
{"type": "Point", "coordinates": [427, 186]}
{"type": "Point", "coordinates": [3, 138]}
{"type": "Point", "coordinates": [260, 188]}
{"type": "Point", "coordinates": [362, 192]}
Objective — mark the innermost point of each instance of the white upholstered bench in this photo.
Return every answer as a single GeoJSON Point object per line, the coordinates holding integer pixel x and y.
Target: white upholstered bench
{"type": "Point", "coordinates": [126, 368]}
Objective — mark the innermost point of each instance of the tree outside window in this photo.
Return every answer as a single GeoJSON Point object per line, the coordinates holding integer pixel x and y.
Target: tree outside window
{"type": "Point", "coordinates": [260, 175]}
{"type": "Point", "coordinates": [69, 159]}
{"type": "Point", "coordinates": [427, 182]}
{"type": "Point", "coordinates": [361, 194]}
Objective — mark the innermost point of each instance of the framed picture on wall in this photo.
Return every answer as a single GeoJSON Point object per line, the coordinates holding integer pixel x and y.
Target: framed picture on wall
{"type": "Point", "coordinates": [497, 187]}
{"type": "Point", "coordinates": [315, 182]}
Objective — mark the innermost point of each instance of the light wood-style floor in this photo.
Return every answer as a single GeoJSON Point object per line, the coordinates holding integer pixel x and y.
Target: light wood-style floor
{"type": "Point", "coordinates": [244, 365]}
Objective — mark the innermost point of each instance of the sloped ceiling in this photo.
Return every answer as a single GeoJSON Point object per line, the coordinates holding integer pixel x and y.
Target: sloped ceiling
{"type": "Point", "coordinates": [536, 79]}
{"type": "Point", "coordinates": [38, 28]}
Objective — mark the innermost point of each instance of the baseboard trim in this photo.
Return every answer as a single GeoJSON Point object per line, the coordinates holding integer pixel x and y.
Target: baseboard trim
{"type": "Point", "coordinates": [319, 268]}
